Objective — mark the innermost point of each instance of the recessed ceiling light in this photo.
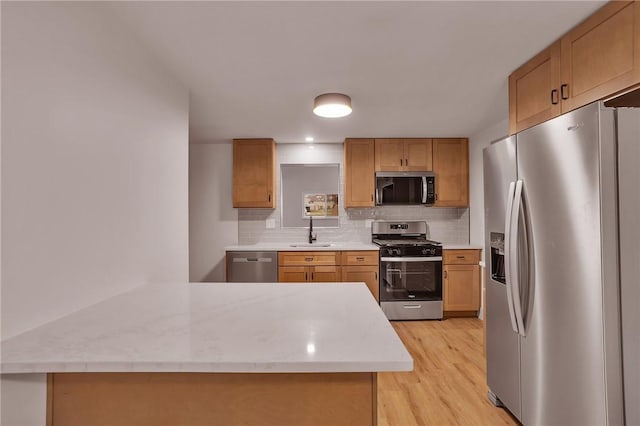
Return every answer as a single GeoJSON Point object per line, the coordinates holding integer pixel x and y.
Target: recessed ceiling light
{"type": "Point", "coordinates": [332, 105]}
{"type": "Point", "coordinates": [309, 139]}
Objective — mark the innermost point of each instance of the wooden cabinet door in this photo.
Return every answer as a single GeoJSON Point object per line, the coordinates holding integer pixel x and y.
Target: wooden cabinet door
{"type": "Point", "coordinates": [601, 55]}
{"type": "Point", "coordinates": [534, 90]}
{"type": "Point", "coordinates": [451, 168]}
{"type": "Point", "coordinates": [359, 175]}
{"type": "Point", "coordinates": [389, 155]}
{"type": "Point", "coordinates": [254, 173]}
{"type": "Point", "coordinates": [418, 155]}
{"type": "Point", "coordinates": [461, 288]}
{"type": "Point", "coordinates": [368, 274]}
{"type": "Point", "coordinates": [324, 274]}
{"type": "Point", "coordinates": [293, 274]}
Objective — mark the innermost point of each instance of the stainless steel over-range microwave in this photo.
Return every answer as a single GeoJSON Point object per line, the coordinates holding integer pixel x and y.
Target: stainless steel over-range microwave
{"type": "Point", "coordinates": [405, 188]}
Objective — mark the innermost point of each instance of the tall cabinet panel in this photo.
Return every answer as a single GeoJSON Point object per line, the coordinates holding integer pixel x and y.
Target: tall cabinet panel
{"type": "Point", "coordinates": [254, 178]}
{"type": "Point", "coordinates": [451, 167]}
{"type": "Point", "coordinates": [358, 172]}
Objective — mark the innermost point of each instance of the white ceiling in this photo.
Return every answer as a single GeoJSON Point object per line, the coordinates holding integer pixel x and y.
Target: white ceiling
{"type": "Point", "coordinates": [411, 68]}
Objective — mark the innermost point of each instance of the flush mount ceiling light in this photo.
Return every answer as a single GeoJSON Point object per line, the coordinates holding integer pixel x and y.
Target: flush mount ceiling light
{"type": "Point", "coordinates": [332, 105]}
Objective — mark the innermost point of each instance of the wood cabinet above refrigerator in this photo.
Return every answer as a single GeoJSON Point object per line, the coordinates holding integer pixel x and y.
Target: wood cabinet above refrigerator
{"type": "Point", "coordinates": [596, 59]}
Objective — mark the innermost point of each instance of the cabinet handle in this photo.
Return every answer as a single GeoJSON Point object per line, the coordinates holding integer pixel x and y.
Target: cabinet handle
{"type": "Point", "coordinates": [371, 197]}
{"type": "Point", "coordinates": [360, 259]}
{"type": "Point", "coordinates": [406, 161]}
{"type": "Point", "coordinates": [401, 162]}
{"type": "Point", "coordinates": [308, 259]}
{"type": "Point", "coordinates": [306, 276]}
{"type": "Point", "coordinates": [554, 97]}
{"type": "Point", "coordinates": [445, 275]}
{"type": "Point", "coordinates": [312, 276]}
{"type": "Point", "coordinates": [269, 197]}
{"type": "Point", "coordinates": [563, 88]}
{"type": "Point", "coordinates": [459, 257]}
{"type": "Point", "coordinates": [376, 274]}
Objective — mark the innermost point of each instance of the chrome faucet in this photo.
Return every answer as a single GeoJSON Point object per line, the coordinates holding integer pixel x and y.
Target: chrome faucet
{"type": "Point", "coordinates": [312, 238]}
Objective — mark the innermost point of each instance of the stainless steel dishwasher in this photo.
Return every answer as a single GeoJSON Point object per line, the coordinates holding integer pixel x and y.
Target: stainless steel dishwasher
{"type": "Point", "coordinates": [252, 266]}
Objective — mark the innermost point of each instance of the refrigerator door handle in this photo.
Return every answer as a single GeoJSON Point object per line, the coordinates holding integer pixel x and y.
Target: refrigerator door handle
{"type": "Point", "coordinates": [507, 255]}
{"type": "Point", "coordinates": [513, 254]}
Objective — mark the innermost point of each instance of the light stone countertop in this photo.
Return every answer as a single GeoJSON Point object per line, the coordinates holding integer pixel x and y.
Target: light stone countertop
{"type": "Point", "coordinates": [447, 246]}
{"type": "Point", "coordinates": [317, 246]}
{"type": "Point", "coordinates": [217, 327]}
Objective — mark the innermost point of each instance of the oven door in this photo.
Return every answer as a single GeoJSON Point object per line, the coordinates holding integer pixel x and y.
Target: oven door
{"type": "Point", "coordinates": [410, 278]}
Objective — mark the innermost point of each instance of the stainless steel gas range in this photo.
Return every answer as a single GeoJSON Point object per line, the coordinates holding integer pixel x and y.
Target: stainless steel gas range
{"type": "Point", "coordinates": [410, 270]}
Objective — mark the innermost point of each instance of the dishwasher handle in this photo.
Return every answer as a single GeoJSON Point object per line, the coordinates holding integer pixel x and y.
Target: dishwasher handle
{"type": "Point", "coordinates": [252, 259]}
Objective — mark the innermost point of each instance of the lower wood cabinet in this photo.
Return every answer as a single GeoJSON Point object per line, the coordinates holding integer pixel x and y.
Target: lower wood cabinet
{"type": "Point", "coordinates": [461, 281]}
{"type": "Point", "coordinates": [330, 266]}
{"type": "Point", "coordinates": [288, 274]}
{"type": "Point", "coordinates": [368, 274]}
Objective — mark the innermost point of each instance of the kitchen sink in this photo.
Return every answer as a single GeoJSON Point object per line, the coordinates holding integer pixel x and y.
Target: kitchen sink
{"type": "Point", "coordinates": [311, 245]}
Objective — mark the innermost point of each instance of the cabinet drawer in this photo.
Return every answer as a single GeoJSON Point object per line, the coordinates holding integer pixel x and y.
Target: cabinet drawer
{"type": "Point", "coordinates": [296, 258]}
{"type": "Point", "coordinates": [360, 257]}
{"type": "Point", "coordinates": [461, 257]}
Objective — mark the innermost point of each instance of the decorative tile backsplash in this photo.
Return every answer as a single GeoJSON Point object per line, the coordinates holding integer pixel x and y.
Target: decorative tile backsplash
{"type": "Point", "coordinates": [447, 225]}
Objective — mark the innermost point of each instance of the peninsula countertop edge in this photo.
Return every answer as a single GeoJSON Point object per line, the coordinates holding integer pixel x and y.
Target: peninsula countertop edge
{"type": "Point", "coordinates": [217, 328]}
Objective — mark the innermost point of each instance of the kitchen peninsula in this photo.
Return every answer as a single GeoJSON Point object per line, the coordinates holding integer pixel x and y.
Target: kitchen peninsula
{"type": "Point", "coordinates": [250, 353]}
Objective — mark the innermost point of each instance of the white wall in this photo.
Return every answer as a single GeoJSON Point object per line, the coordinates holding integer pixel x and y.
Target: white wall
{"type": "Point", "coordinates": [213, 222]}
{"type": "Point", "coordinates": [94, 169]}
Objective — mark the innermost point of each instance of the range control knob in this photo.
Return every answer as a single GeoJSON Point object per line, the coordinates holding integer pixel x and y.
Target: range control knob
{"type": "Point", "coordinates": [429, 251]}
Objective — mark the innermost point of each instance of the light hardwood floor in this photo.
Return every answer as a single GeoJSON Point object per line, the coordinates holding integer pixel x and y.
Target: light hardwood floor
{"type": "Point", "coordinates": [448, 383]}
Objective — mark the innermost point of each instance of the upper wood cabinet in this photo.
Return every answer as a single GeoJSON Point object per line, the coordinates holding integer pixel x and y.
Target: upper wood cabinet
{"type": "Point", "coordinates": [451, 167]}
{"type": "Point", "coordinates": [254, 178]}
{"type": "Point", "coordinates": [601, 55]}
{"type": "Point", "coordinates": [359, 172]}
{"type": "Point", "coordinates": [596, 59]}
{"type": "Point", "coordinates": [403, 155]}
{"type": "Point", "coordinates": [534, 90]}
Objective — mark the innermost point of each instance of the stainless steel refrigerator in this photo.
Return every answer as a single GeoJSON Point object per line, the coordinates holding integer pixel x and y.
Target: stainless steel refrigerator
{"type": "Point", "coordinates": [562, 202]}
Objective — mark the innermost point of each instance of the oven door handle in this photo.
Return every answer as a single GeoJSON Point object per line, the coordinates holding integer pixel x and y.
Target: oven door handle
{"type": "Point", "coordinates": [424, 190]}
{"type": "Point", "coordinates": [411, 259]}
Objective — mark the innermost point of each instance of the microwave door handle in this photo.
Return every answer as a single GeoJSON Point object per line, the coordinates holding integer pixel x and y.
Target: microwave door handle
{"type": "Point", "coordinates": [424, 190]}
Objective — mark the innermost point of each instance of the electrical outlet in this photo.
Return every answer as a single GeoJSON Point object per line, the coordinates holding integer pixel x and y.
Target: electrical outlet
{"type": "Point", "coordinates": [270, 223]}
{"type": "Point", "coordinates": [367, 223]}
